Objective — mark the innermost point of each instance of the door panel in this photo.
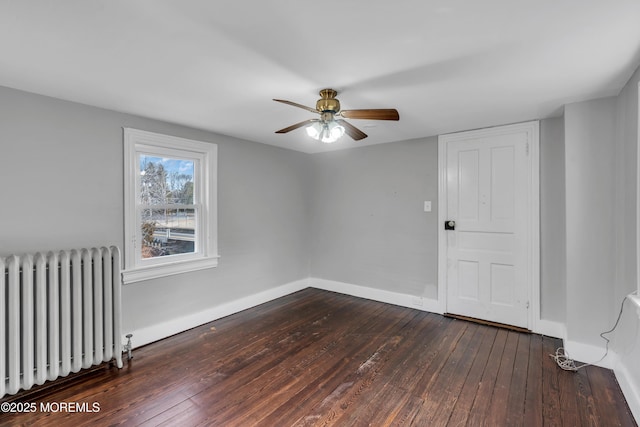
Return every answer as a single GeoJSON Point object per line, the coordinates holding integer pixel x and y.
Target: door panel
{"type": "Point", "coordinates": [469, 288]}
{"type": "Point", "coordinates": [502, 192]}
{"type": "Point", "coordinates": [469, 191]}
{"type": "Point", "coordinates": [486, 253]}
{"type": "Point", "coordinates": [502, 279]}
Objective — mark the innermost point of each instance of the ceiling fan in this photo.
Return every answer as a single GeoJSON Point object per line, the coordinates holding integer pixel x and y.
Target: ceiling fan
{"type": "Point", "coordinates": [328, 128]}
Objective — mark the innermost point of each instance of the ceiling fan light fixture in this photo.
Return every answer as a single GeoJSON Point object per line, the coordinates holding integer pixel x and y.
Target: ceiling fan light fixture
{"type": "Point", "coordinates": [333, 132]}
{"type": "Point", "coordinates": [326, 132]}
{"type": "Point", "coordinates": [314, 129]}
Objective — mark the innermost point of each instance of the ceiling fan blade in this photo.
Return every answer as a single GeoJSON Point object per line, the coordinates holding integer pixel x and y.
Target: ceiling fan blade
{"type": "Point", "coordinates": [374, 114]}
{"type": "Point", "coordinates": [352, 131]}
{"type": "Point", "coordinates": [295, 104]}
{"type": "Point", "coordinates": [296, 126]}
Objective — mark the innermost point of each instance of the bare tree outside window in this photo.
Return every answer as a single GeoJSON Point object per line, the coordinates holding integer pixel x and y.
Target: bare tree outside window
{"type": "Point", "coordinates": [167, 206]}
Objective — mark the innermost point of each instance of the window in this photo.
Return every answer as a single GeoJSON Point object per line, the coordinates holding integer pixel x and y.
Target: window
{"type": "Point", "coordinates": [170, 205]}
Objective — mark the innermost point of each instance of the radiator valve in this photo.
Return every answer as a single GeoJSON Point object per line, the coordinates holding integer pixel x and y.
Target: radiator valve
{"type": "Point", "coordinates": [128, 347]}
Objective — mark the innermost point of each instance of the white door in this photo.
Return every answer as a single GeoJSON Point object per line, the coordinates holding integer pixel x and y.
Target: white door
{"type": "Point", "coordinates": [487, 249]}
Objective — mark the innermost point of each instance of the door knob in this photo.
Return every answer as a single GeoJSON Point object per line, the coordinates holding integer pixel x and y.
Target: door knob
{"type": "Point", "coordinates": [449, 225]}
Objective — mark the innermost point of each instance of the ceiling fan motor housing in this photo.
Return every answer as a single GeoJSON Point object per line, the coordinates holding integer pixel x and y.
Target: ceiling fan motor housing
{"type": "Point", "coordinates": [328, 102]}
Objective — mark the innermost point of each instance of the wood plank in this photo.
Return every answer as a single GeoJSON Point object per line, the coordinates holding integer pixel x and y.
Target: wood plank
{"type": "Point", "coordinates": [357, 332]}
{"type": "Point", "coordinates": [518, 386]}
{"type": "Point", "coordinates": [180, 414]}
{"type": "Point", "coordinates": [316, 388]}
{"type": "Point", "coordinates": [483, 397]}
{"type": "Point", "coordinates": [589, 414]}
{"type": "Point", "coordinates": [449, 381]}
{"type": "Point", "coordinates": [606, 395]}
{"type": "Point", "coordinates": [498, 407]}
{"type": "Point", "coordinates": [383, 403]}
{"type": "Point", "coordinates": [360, 378]}
{"type": "Point", "coordinates": [560, 406]}
{"type": "Point", "coordinates": [466, 399]}
{"type": "Point", "coordinates": [316, 357]}
{"type": "Point", "coordinates": [533, 400]}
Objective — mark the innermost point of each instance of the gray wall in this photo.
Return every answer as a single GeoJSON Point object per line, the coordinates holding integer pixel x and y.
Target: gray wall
{"type": "Point", "coordinates": [627, 340]}
{"type": "Point", "coordinates": [590, 209]}
{"type": "Point", "coordinates": [601, 143]}
{"type": "Point", "coordinates": [552, 221]}
{"type": "Point", "coordinates": [61, 168]}
{"type": "Point", "coordinates": [368, 226]}
{"type": "Point", "coordinates": [353, 216]}
{"type": "Point", "coordinates": [626, 195]}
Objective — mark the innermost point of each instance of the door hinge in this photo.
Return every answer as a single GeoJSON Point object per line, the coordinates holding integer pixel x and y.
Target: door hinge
{"type": "Point", "coordinates": [527, 152]}
{"type": "Point", "coordinates": [527, 305]}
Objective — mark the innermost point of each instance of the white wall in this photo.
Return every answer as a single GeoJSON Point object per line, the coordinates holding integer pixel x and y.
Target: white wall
{"type": "Point", "coordinates": [61, 169]}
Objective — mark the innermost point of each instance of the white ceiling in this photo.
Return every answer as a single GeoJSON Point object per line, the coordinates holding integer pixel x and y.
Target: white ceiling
{"type": "Point", "coordinates": [216, 65]}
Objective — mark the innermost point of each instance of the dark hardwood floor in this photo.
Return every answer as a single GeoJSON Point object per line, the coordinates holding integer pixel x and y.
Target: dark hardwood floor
{"type": "Point", "coordinates": [318, 358]}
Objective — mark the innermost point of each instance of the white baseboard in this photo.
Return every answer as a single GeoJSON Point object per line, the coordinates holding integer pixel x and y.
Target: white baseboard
{"type": "Point", "coordinates": [396, 298]}
{"type": "Point", "coordinates": [544, 327]}
{"type": "Point", "coordinates": [587, 353]}
{"type": "Point", "coordinates": [166, 329]}
{"type": "Point", "coordinates": [157, 332]}
{"type": "Point", "coordinates": [630, 389]}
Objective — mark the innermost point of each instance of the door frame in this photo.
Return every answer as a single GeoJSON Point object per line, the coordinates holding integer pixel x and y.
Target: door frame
{"type": "Point", "coordinates": [532, 257]}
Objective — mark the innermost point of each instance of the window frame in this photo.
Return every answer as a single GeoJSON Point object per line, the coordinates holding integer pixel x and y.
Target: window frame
{"type": "Point", "coordinates": [204, 155]}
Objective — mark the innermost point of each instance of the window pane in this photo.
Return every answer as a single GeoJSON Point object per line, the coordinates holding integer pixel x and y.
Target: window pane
{"type": "Point", "coordinates": [167, 232]}
{"type": "Point", "coordinates": [165, 180]}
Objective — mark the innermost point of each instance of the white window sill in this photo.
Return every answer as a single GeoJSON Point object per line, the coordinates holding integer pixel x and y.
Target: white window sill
{"type": "Point", "coordinates": [161, 270]}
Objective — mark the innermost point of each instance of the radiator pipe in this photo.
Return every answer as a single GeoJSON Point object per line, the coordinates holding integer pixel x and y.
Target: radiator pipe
{"type": "Point", "coordinates": [128, 347]}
